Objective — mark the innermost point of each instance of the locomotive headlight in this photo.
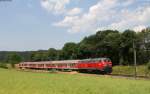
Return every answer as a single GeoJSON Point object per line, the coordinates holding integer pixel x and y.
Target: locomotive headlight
{"type": "Point", "coordinates": [99, 64]}
{"type": "Point", "coordinates": [104, 64]}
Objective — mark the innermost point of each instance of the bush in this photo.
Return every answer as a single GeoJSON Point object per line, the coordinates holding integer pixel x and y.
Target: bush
{"type": "Point", "coordinates": [53, 71]}
{"type": "Point", "coordinates": [148, 68]}
{"type": "Point", "coordinates": [2, 65]}
{"type": "Point", "coordinates": [148, 65]}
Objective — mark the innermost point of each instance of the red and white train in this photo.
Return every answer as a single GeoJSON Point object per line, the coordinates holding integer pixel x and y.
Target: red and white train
{"type": "Point", "coordinates": [97, 64]}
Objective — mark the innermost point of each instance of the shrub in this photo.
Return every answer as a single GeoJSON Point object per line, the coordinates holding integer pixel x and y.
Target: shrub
{"type": "Point", "coordinates": [53, 71]}
{"type": "Point", "coordinates": [147, 69]}
{"type": "Point", "coordinates": [3, 65]}
{"type": "Point", "coordinates": [148, 65]}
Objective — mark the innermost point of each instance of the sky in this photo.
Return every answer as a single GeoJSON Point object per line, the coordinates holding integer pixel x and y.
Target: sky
{"type": "Point", "coordinates": [27, 25]}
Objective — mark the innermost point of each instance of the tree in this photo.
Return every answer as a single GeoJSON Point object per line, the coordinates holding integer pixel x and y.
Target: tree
{"type": "Point", "coordinates": [52, 54]}
{"type": "Point", "coordinates": [70, 50]}
{"type": "Point", "coordinates": [143, 45]}
{"type": "Point", "coordinates": [39, 56]}
{"type": "Point", "coordinates": [112, 45]}
{"type": "Point", "coordinates": [127, 38]}
{"type": "Point", "coordinates": [13, 58]}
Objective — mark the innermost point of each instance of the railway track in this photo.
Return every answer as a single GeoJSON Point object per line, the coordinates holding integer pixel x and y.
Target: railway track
{"type": "Point", "coordinates": [129, 76]}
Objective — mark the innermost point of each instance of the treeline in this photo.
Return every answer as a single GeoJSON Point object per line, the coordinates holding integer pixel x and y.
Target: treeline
{"type": "Point", "coordinates": [118, 46]}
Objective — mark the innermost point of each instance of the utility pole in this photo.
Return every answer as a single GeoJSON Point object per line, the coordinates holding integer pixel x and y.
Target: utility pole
{"type": "Point", "coordinates": [134, 53]}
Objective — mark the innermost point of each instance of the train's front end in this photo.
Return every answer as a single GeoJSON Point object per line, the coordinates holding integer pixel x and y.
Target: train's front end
{"type": "Point", "coordinates": [105, 65]}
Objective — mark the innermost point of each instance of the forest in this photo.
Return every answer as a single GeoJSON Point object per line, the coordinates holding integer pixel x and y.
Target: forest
{"type": "Point", "coordinates": [116, 45]}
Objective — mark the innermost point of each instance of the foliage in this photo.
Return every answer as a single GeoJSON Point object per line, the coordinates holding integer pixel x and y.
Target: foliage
{"type": "Point", "coordinates": [13, 59]}
{"type": "Point", "coordinates": [148, 69]}
{"type": "Point", "coordinates": [148, 65]}
{"type": "Point", "coordinates": [39, 56]}
{"type": "Point", "coordinates": [52, 54]}
{"type": "Point", "coordinates": [3, 65]}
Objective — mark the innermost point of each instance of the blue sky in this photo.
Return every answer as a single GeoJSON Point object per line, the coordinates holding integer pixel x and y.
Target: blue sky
{"type": "Point", "coordinates": [42, 24]}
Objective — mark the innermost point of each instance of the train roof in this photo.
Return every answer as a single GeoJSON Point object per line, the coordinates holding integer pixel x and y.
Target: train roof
{"type": "Point", "coordinates": [51, 62]}
{"type": "Point", "coordinates": [94, 59]}
{"type": "Point", "coordinates": [65, 61]}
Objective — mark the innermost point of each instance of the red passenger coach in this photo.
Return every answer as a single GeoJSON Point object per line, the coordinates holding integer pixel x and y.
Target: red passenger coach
{"type": "Point", "coordinates": [96, 64]}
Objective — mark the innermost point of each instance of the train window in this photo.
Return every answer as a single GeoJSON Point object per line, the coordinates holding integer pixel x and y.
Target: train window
{"type": "Point", "coordinates": [48, 65]}
{"type": "Point", "coordinates": [59, 65]}
{"type": "Point", "coordinates": [109, 60]}
{"type": "Point", "coordinates": [106, 60]}
{"type": "Point", "coordinates": [100, 60]}
{"type": "Point", "coordinates": [41, 65]}
{"type": "Point", "coordinates": [72, 65]}
{"type": "Point", "coordinates": [64, 65]}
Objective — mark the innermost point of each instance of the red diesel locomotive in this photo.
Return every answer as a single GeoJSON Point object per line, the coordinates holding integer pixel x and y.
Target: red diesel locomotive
{"type": "Point", "coordinates": [97, 64]}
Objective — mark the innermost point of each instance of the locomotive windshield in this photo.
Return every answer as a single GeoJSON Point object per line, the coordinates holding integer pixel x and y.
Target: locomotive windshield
{"type": "Point", "coordinates": [95, 60]}
{"type": "Point", "coordinates": [106, 60]}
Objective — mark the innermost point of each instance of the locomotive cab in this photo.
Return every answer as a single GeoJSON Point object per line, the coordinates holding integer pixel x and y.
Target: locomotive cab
{"type": "Point", "coordinates": [106, 65]}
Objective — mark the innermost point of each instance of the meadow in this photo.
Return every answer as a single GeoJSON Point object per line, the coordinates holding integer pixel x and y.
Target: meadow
{"type": "Point", "coordinates": [129, 70]}
{"type": "Point", "coordinates": [19, 82]}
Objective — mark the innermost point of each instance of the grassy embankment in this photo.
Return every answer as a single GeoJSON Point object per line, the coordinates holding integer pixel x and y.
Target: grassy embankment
{"type": "Point", "coordinates": [17, 82]}
{"type": "Point", "coordinates": [129, 70]}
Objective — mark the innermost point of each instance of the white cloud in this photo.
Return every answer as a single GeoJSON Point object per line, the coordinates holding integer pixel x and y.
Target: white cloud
{"type": "Point", "coordinates": [135, 20]}
{"type": "Point", "coordinates": [139, 28]}
{"type": "Point", "coordinates": [144, 14]}
{"type": "Point", "coordinates": [67, 22]}
{"type": "Point", "coordinates": [107, 14]}
{"type": "Point", "coordinates": [88, 21]}
{"type": "Point", "coordinates": [74, 11]}
{"type": "Point", "coordinates": [56, 6]}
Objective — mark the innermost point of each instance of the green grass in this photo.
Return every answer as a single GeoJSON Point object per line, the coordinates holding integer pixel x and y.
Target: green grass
{"type": "Point", "coordinates": [129, 70]}
{"type": "Point", "coordinates": [17, 82]}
